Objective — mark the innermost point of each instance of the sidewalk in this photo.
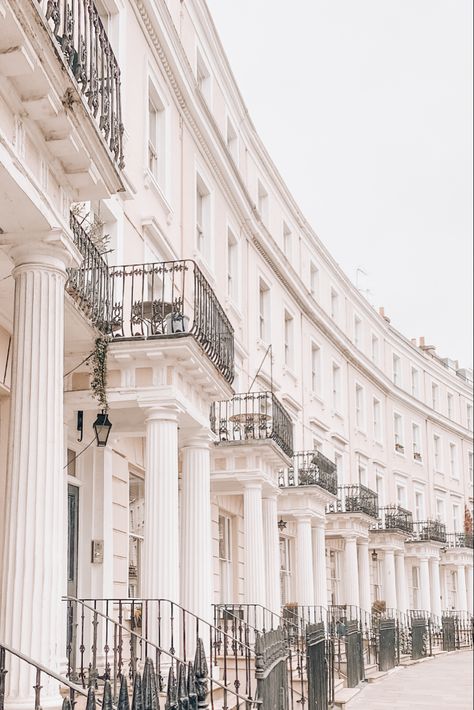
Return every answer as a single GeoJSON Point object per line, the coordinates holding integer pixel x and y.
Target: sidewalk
{"type": "Point", "coordinates": [442, 683]}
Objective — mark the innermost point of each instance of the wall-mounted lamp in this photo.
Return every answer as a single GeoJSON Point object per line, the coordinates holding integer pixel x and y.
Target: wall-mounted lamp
{"type": "Point", "coordinates": [281, 525]}
{"type": "Point", "coordinates": [374, 555]}
{"type": "Point", "coordinates": [102, 427]}
{"type": "Point", "coordinates": [80, 423]}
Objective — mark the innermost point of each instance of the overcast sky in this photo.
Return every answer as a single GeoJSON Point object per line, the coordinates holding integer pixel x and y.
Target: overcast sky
{"type": "Point", "coordinates": [366, 108]}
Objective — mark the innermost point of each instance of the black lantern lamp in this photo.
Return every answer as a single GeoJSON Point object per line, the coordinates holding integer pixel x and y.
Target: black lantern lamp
{"type": "Point", "coordinates": [281, 525]}
{"type": "Point", "coordinates": [374, 555]}
{"type": "Point", "coordinates": [102, 427]}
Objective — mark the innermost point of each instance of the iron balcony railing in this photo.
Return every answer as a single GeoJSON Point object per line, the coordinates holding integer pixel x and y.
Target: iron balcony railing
{"type": "Point", "coordinates": [83, 42]}
{"type": "Point", "coordinates": [394, 517]}
{"type": "Point", "coordinates": [310, 468]}
{"type": "Point", "coordinates": [460, 539]}
{"type": "Point", "coordinates": [355, 499]}
{"type": "Point", "coordinates": [253, 416]}
{"type": "Point", "coordinates": [429, 530]}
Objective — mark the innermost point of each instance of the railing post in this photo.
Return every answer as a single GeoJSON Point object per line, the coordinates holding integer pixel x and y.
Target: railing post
{"type": "Point", "coordinates": [3, 673]}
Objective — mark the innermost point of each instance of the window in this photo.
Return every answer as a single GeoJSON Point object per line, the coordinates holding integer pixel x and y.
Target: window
{"type": "Point", "coordinates": [287, 241]}
{"type": "Point", "coordinates": [339, 461]}
{"type": "Point", "coordinates": [357, 331]}
{"type": "Point", "coordinates": [377, 576]}
{"type": "Point", "coordinates": [156, 135]}
{"type": "Point", "coordinates": [379, 487]}
{"type": "Point", "coordinates": [398, 433]}
{"type": "Point", "coordinates": [456, 519]}
{"type": "Point", "coordinates": [203, 77]}
{"type": "Point", "coordinates": [333, 575]}
{"type": "Point", "coordinates": [203, 219]}
{"type": "Point", "coordinates": [360, 407]}
{"type": "Point", "coordinates": [336, 387]}
{"type": "Point", "coordinates": [415, 382]}
{"type": "Point", "coordinates": [453, 460]}
{"type": "Point", "coordinates": [401, 495]}
{"type": "Point", "coordinates": [362, 473]}
{"type": "Point", "coordinates": [419, 505]}
{"type": "Point", "coordinates": [71, 462]}
{"type": "Point", "coordinates": [285, 570]}
{"type": "Point", "coordinates": [288, 339]}
{"type": "Point", "coordinates": [434, 395]}
{"type": "Point", "coordinates": [334, 304]}
{"type": "Point", "coordinates": [450, 401]}
{"type": "Point", "coordinates": [136, 507]}
{"type": "Point", "coordinates": [397, 370]}
{"type": "Point", "coordinates": [225, 559]}
{"type": "Point", "coordinates": [262, 202]}
{"type": "Point", "coordinates": [232, 266]}
{"type": "Point", "coordinates": [375, 349]}
{"type": "Point", "coordinates": [416, 436]}
{"type": "Point", "coordinates": [440, 509]}
{"type": "Point", "coordinates": [469, 417]}
{"type": "Point", "coordinates": [470, 465]}
{"type": "Point", "coordinates": [264, 311]}
{"type": "Point", "coordinates": [437, 452]}
{"type": "Point", "coordinates": [415, 588]}
{"type": "Point", "coordinates": [231, 140]}
{"type": "Point", "coordinates": [377, 420]}
{"type": "Point", "coordinates": [314, 280]}
{"type": "Point", "coordinates": [452, 589]}
{"type": "Point", "coordinates": [315, 368]}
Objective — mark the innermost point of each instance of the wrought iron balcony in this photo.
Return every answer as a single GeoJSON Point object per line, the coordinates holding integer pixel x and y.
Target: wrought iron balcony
{"type": "Point", "coordinates": [355, 499]}
{"type": "Point", "coordinates": [394, 517]}
{"type": "Point", "coordinates": [82, 40]}
{"type": "Point", "coordinates": [429, 530]}
{"type": "Point", "coordinates": [253, 416]}
{"type": "Point", "coordinates": [462, 539]}
{"type": "Point", "coordinates": [310, 468]}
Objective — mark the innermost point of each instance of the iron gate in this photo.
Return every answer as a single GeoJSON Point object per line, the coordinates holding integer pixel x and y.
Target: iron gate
{"type": "Point", "coordinates": [387, 639]}
{"type": "Point", "coordinates": [271, 653]}
{"type": "Point", "coordinates": [319, 684]}
{"type": "Point", "coordinates": [449, 633]}
{"type": "Point", "coordinates": [354, 654]}
{"type": "Point", "coordinates": [419, 638]}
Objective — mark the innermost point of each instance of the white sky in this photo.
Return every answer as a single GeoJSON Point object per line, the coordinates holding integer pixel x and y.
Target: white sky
{"type": "Point", "coordinates": [366, 109]}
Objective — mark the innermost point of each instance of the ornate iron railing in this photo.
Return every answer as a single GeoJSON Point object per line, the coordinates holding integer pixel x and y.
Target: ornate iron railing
{"type": "Point", "coordinates": [310, 468]}
{"type": "Point", "coordinates": [89, 285]}
{"type": "Point", "coordinates": [462, 539]}
{"type": "Point", "coordinates": [355, 499]}
{"type": "Point", "coordinates": [170, 298]}
{"type": "Point", "coordinates": [429, 530]}
{"type": "Point", "coordinates": [253, 415]}
{"type": "Point", "coordinates": [394, 517]}
{"type": "Point", "coordinates": [83, 42]}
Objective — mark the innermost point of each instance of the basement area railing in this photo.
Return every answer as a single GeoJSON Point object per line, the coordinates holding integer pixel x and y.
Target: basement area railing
{"type": "Point", "coordinates": [310, 468]}
{"type": "Point", "coordinates": [355, 499]}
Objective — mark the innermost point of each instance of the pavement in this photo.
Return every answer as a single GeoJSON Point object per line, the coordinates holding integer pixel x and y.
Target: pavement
{"type": "Point", "coordinates": [441, 683]}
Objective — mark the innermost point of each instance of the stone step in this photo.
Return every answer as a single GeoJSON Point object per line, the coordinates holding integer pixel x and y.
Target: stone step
{"type": "Point", "coordinates": [375, 676]}
{"type": "Point", "coordinates": [343, 697]}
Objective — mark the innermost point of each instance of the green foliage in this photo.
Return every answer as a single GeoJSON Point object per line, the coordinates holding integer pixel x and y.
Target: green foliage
{"type": "Point", "coordinates": [99, 372]}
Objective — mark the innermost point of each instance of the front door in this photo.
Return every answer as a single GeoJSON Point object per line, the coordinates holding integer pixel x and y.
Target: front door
{"type": "Point", "coordinates": [72, 565]}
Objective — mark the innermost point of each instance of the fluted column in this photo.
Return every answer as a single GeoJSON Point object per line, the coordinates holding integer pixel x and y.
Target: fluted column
{"type": "Point", "coordinates": [461, 602]}
{"type": "Point", "coordinates": [319, 564]}
{"type": "Point", "coordinates": [435, 587]}
{"type": "Point", "coordinates": [272, 553]}
{"type": "Point", "coordinates": [425, 595]}
{"type": "Point", "coordinates": [401, 578]}
{"type": "Point", "coordinates": [364, 575]}
{"type": "Point", "coordinates": [196, 563]}
{"type": "Point", "coordinates": [304, 562]}
{"type": "Point", "coordinates": [390, 589]}
{"type": "Point", "coordinates": [255, 590]}
{"type": "Point", "coordinates": [351, 572]}
{"type": "Point", "coordinates": [33, 574]}
{"type": "Point", "coordinates": [469, 588]}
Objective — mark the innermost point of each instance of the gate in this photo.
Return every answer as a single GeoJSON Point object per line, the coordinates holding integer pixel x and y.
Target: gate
{"type": "Point", "coordinates": [354, 654]}
{"type": "Point", "coordinates": [449, 633]}
{"type": "Point", "coordinates": [419, 638]}
{"type": "Point", "coordinates": [319, 682]}
{"type": "Point", "coordinates": [271, 653]}
{"type": "Point", "coordinates": [387, 638]}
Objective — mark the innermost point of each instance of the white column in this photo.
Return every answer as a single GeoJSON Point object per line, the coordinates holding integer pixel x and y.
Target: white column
{"type": "Point", "coordinates": [319, 564]}
{"type": "Point", "coordinates": [161, 535]}
{"type": "Point", "coordinates": [195, 514]}
{"type": "Point", "coordinates": [461, 601]}
{"type": "Point", "coordinates": [390, 588]}
{"type": "Point", "coordinates": [364, 575]}
{"type": "Point", "coordinates": [31, 610]}
{"type": "Point", "coordinates": [401, 578]}
{"type": "Point", "coordinates": [469, 588]}
{"type": "Point", "coordinates": [255, 592]}
{"type": "Point", "coordinates": [304, 562]}
{"type": "Point", "coordinates": [272, 553]}
{"type": "Point", "coordinates": [435, 587]}
{"type": "Point", "coordinates": [351, 573]}
{"type": "Point", "coordinates": [425, 595]}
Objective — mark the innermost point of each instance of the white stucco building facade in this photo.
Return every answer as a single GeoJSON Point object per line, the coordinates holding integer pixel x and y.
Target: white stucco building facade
{"type": "Point", "coordinates": [220, 264]}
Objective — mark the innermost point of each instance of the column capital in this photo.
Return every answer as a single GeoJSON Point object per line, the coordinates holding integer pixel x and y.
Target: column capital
{"type": "Point", "coordinates": [319, 523]}
{"type": "Point", "coordinates": [199, 438]}
{"type": "Point", "coordinates": [53, 249]}
{"type": "Point", "coordinates": [161, 412]}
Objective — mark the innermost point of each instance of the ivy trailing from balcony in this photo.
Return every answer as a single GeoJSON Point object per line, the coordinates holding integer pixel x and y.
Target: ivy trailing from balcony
{"type": "Point", "coordinates": [99, 372]}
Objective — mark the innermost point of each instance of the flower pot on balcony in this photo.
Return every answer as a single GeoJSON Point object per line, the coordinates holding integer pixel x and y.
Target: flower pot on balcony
{"type": "Point", "coordinates": [176, 323]}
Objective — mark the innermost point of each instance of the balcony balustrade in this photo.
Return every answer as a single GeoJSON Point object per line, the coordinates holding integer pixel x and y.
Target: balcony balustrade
{"type": "Point", "coordinates": [355, 499]}
{"type": "Point", "coordinates": [310, 468]}
{"type": "Point", "coordinates": [253, 416]}
{"type": "Point", "coordinates": [82, 40]}
{"type": "Point", "coordinates": [459, 540]}
{"type": "Point", "coordinates": [429, 530]}
{"type": "Point", "coordinates": [394, 518]}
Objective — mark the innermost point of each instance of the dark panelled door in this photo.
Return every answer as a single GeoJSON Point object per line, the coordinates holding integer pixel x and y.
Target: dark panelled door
{"type": "Point", "coordinates": [72, 566]}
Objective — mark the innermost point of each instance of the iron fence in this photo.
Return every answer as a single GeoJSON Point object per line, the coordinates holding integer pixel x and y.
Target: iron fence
{"type": "Point", "coordinates": [462, 539]}
{"type": "Point", "coordinates": [355, 499]}
{"type": "Point", "coordinates": [81, 37]}
{"type": "Point", "coordinates": [394, 517]}
{"type": "Point", "coordinates": [253, 416]}
{"type": "Point", "coordinates": [427, 530]}
{"type": "Point", "coordinates": [310, 468]}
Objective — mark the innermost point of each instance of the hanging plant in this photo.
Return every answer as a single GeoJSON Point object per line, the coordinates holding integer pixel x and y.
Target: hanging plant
{"type": "Point", "coordinates": [99, 372]}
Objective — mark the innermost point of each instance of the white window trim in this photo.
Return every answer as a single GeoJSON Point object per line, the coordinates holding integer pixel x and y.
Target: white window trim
{"type": "Point", "coordinates": [206, 264]}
